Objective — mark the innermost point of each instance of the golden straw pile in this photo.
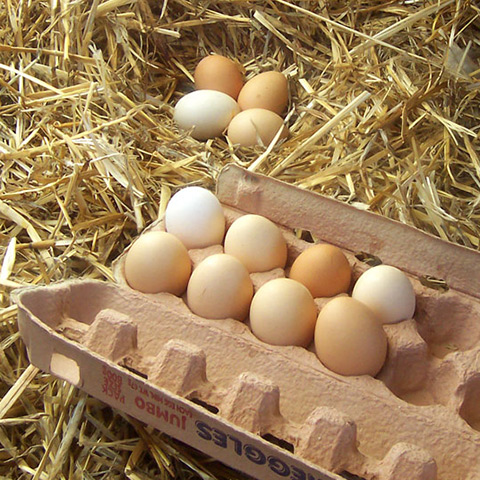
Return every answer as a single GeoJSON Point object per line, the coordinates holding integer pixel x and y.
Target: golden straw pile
{"type": "Point", "coordinates": [383, 114]}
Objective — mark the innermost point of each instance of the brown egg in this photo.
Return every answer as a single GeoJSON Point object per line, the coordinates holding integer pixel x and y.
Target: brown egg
{"type": "Point", "coordinates": [267, 90]}
{"type": "Point", "coordinates": [157, 262]}
{"type": "Point", "coordinates": [257, 242]}
{"type": "Point", "coordinates": [323, 269]}
{"type": "Point", "coordinates": [283, 313]}
{"type": "Point", "coordinates": [255, 126]}
{"type": "Point", "coordinates": [349, 338]}
{"type": "Point", "coordinates": [220, 287]}
{"type": "Point", "coordinates": [217, 72]}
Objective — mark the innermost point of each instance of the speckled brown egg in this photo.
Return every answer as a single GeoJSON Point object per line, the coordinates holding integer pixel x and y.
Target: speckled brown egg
{"type": "Point", "coordinates": [267, 90]}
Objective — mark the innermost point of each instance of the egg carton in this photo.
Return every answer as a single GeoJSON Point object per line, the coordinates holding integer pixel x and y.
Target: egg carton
{"type": "Point", "coordinates": [276, 411]}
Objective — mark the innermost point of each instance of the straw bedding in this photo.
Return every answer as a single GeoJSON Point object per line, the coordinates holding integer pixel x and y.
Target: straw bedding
{"type": "Point", "coordinates": [383, 114]}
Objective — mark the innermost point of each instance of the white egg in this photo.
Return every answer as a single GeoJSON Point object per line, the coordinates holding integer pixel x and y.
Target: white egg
{"type": "Point", "coordinates": [195, 216]}
{"type": "Point", "coordinates": [387, 291]}
{"type": "Point", "coordinates": [208, 112]}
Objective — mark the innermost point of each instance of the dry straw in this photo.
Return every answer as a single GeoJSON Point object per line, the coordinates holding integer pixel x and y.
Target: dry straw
{"type": "Point", "coordinates": [383, 114]}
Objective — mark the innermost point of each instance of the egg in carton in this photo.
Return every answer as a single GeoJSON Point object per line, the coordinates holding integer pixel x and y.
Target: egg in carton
{"type": "Point", "coordinates": [276, 411]}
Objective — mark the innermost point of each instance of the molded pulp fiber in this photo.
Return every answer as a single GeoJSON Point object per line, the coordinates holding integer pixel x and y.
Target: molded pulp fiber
{"type": "Point", "coordinates": [277, 412]}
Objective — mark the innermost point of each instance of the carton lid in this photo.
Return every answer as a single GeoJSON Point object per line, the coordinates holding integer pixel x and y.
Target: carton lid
{"type": "Point", "coordinates": [413, 251]}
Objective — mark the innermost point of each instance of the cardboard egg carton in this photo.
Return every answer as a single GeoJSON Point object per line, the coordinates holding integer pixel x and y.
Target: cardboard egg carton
{"type": "Point", "coordinates": [277, 412]}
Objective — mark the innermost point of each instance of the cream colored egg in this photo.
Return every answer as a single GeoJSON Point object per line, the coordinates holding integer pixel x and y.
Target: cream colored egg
{"type": "Point", "coordinates": [220, 287]}
{"type": "Point", "coordinates": [157, 262]}
{"type": "Point", "coordinates": [257, 242]}
{"type": "Point", "coordinates": [256, 126]}
{"type": "Point", "coordinates": [387, 291]}
{"type": "Point", "coordinates": [349, 338]}
{"type": "Point", "coordinates": [206, 112]}
{"type": "Point", "coordinates": [283, 312]}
